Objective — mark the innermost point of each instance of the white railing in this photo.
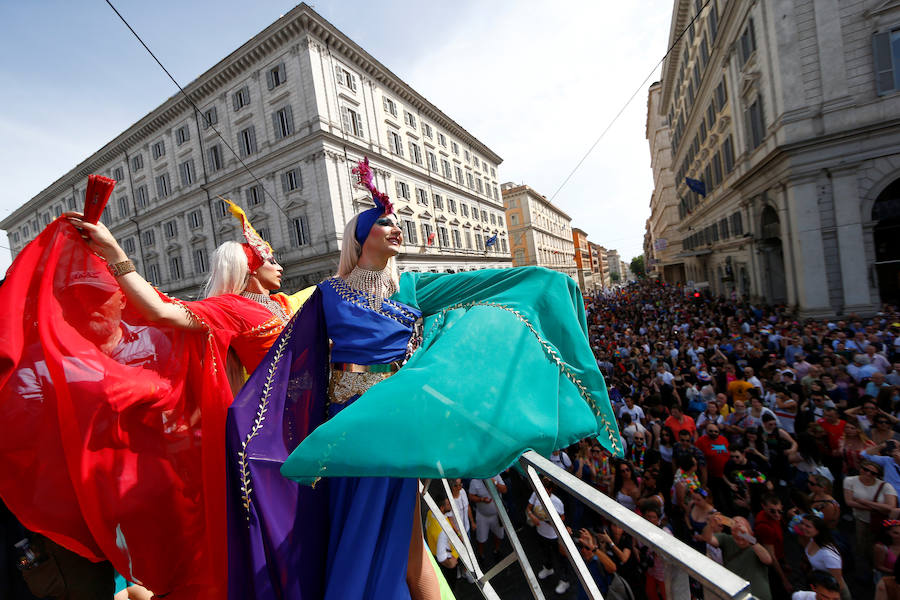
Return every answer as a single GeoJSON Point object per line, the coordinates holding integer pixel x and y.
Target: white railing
{"type": "Point", "coordinates": [681, 561]}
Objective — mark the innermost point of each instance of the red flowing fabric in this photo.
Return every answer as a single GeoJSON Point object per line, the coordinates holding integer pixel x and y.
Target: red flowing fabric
{"type": "Point", "coordinates": [112, 431]}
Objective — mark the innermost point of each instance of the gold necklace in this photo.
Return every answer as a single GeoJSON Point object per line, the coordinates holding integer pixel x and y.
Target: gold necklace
{"type": "Point", "coordinates": [271, 305]}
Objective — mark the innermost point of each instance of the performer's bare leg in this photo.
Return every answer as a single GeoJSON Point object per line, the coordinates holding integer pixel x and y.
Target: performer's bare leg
{"type": "Point", "coordinates": [420, 575]}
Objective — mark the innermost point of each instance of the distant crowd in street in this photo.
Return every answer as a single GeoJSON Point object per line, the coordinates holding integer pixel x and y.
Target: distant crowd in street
{"type": "Point", "coordinates": [766, 441]}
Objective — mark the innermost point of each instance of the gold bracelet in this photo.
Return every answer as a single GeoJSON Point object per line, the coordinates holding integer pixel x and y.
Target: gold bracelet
{"type": "Point", "coordinates": [121, 268]}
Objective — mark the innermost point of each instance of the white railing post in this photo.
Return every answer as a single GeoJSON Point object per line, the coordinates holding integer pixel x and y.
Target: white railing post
{"type": "Point", "coordinates": [519, 552]}
{"type": "Point", "coordinates": [581, 570]}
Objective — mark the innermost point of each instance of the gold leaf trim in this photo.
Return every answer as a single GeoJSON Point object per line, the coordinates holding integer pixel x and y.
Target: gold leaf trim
{"type": "Point", "coordinates": [360, 299]}
{"type": "Point", "coordinates": [611, 433]}
{"type": "Point", "coordinates": [261, 410]}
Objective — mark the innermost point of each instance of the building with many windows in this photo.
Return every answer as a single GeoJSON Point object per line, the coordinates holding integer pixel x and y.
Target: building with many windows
{"type": "Point", "coordinates": [662, 240]}
{"type": "Point", "coordinates": [616, 271]}
{"type": "Point", "coordinates": [299, 104]}
{"type": "Point", "coordinates": [583, 259]}
{"type": "Point", "coordinates": [540, 233]}
{"type": "Point", "coordinates": [599, 266]}
{"type": "Point", "coordinates": [787, 116]}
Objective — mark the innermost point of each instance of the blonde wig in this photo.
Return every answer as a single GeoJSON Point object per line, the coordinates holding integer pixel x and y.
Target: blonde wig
{"type": "Point", "coordinates": [229, 273]}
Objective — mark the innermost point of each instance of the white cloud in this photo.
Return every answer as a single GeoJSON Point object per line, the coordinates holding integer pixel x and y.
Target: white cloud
{"type": "Point", "coordinates": [537, 81]}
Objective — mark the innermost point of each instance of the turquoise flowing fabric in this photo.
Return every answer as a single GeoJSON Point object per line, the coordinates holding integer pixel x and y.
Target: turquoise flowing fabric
{"type": "Point", "coordinates": [504, 366]}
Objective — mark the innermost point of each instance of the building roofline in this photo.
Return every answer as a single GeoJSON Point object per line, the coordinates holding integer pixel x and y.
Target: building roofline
{"type": "Point", "coordinates": [525, 188]}
{"type": "Point", "coordinates": [301, 19]}
{"type": "Point", "coordinates": [670, 64]}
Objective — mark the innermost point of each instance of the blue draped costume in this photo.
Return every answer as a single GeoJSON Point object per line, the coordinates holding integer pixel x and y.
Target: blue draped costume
{"type": "Point", "coordinates": [504, 366]}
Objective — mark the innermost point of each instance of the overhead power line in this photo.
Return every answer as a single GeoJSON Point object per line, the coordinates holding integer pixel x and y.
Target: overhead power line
{"type": "Point", "coordinates": [627, 102]}
{"type": "Point", "coordinates": [196, 108]}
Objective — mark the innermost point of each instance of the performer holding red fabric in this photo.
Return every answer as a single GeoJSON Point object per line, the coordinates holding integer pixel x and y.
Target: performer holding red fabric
{"type": "Point", "coordinates": [113, 400]}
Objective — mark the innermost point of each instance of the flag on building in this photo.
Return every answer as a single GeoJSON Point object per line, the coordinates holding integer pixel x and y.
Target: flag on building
{"type": "Point", "coordinates": [696, 185]}
{"type": "Point", "coordinates": [490, 241]}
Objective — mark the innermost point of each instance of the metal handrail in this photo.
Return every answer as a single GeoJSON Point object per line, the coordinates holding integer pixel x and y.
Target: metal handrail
{"type": "Point", "coordinates": [680, 559]}
{"type": "Point", "coordinates": [708, 572]}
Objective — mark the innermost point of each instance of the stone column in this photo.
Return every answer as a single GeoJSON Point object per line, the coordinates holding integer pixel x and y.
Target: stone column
{"type": "Point", "coordinates": [804, 246]}
{"type": "Point", "coordinates": [851, 241]}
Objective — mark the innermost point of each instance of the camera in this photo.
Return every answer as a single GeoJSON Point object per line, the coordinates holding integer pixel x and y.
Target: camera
{"type": "Point", "coordinates": [28, 558]}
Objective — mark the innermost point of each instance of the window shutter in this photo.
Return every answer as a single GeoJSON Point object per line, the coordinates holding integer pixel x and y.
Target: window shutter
{"type": "Point", "coordinates": [353, 82]}
{"type": "Point", "coordinates": [304, 228]}
{"type": "Point", "coordinates": [235, 101]}
{"type": "Point", "coordinates": [339, 74]}
{"type": "Point", "coordinates": [884, 69]}
{"type": "Point", "coordinates": [282, 74]}
{"type": "Point", "coordinates": [345, 117]}
{"type": "Point", "coordinates": [284, 183]}
{"type": "Point", "coordinates": [288, 117]}
{"type": "Point", "coordinates": [252, 139]}
{"type": "Point", "coordinates": [358, 119]}
{"type": "Point", "coordinates": [270, 81]}
{"type": "Point", "coordinates": [276, 125]}
{"type": "Point", "coordinates": [385, 104]}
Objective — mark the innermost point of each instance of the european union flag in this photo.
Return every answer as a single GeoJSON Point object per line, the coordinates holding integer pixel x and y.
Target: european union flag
{"type": "Point", "coordinates": [696, 185]}
{"type": "Point", "coordinates": [490, 241]}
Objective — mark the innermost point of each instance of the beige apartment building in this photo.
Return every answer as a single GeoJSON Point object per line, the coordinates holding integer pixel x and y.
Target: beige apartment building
{"type": "Point", "coordinates": [540, 233]}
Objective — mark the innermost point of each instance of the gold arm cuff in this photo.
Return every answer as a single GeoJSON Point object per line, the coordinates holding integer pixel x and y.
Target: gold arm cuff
{"type": "Point", "coordinates": [121, 268]}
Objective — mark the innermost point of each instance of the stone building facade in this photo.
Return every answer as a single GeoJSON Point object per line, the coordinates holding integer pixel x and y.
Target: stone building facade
{"type": "Point", "coordinates": [299, 104]}
{"type": "Point", "coordinates": [788, 112]}
{"type": "Point", "coordinates": [663, 241]}
{"type": "Point", "coordinates": [599, 266]}
{"type": "Point", "coordinates": [583, 263]}
{"type": "Point", "coordinates": [540, 233]}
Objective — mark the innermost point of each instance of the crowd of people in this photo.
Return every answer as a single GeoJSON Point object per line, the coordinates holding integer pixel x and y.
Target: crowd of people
{"type": "Point", "coordinates": [766, 441]}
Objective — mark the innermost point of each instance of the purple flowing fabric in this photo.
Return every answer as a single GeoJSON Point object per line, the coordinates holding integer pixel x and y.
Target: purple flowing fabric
{"type": "Point", "coordinates": [277, 529]}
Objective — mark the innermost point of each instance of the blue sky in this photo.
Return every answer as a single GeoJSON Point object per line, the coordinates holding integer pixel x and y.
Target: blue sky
{"type": "Point", "coordinates": [537, 81]}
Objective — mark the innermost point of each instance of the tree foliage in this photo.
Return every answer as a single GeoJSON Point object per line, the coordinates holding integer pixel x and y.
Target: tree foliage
{"type": "Point", "coordinates": [637, 266]}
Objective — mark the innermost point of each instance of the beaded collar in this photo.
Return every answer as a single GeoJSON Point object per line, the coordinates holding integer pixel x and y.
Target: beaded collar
{"type": "Point", "coordinates": [270, 304]}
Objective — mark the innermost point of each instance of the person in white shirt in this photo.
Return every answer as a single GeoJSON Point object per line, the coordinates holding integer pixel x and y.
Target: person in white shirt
{"type": "Point", "coordinates": [487, 519]}
{"type": "Point", "coordinates": [877, 360]}
{"type": "Point", "coordinates": [752, 378]}
{"type": "Point", "coordinates": [551, 559]}
{"type": "Point", "coordinates": [868, 495]}
{"type": "Point", "coordinates": [443, 550]}
{"type": "Point", "coordinates": [461, 499]}
{"type": "Point", "coordinates": [823, 587]}
{"type": "Point", "coordinates": [664, 375]}
{"type": "Point", "coordinates": [561, 460]}
{"type": "Point", "coordinates": [636, 412]}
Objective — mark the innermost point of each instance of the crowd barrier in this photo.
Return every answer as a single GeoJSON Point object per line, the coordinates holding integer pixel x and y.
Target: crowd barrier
{"type": "Point", "coordinates": [681, 561]}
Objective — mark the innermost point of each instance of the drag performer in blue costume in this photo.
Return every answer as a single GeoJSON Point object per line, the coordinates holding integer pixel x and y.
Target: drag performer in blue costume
{"type": "Point", "coordinates": [504, 366]}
